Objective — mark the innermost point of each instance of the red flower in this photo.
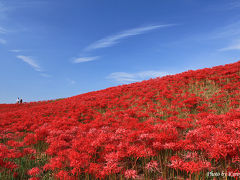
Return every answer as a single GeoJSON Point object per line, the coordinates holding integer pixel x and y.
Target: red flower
{"type": "Point", "coordinates": [131, 174]}
{"type": "Point", "coordinates": [34, 171]}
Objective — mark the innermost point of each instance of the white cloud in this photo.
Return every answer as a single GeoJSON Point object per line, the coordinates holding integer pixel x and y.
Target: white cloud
{"type": "Point", "coordinates": [8, 6]}
{"type": "Point", "coordinates": [2, 41]}
{"type": "Point", "coordinates": [15, 50]}
{"type": "Point", "coordinates": [233, 46]}
{"type": "Point", "coordinates": [228, 5]}
{"type": "Point", "coordinates": [123, 77]}
{"type": "Point", "coordinates": [30, 62]}
{"type": "Point", "coordinates": [73, 82]}
{"type": "Point", "coordinates": [229, 35]}
{"type": "Point", "coordinates": [29, 4]}
{"type": "Point", "coordinates": [229, 31]}
{"type": "Point", "coordinates": [45, 75]}
{"type": "Point", "coordinates": [2, 7]}
{"type": "Point", "coordinates": [114, 39]}
{"type": "Point", "coordinates": [3, 10]}
{"type": "Point", "coordinates": [85, 59]}
{"type": "Point", "coordinates": [2, 30]}
{"type": "Point", "coordinates": [234, 4]}
{"type": "Point", "coordinates": [70, 81]}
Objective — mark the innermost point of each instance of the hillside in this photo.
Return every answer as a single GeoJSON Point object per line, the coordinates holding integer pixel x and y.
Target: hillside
{"type": "Point", "coordinates": [178, 126]}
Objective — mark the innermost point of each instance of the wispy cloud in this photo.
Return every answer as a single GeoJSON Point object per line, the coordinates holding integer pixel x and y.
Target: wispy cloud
{"type": "Point", "coordinates": [10, 5]}
{"type": "Point", "coordinates": [229, 31]}
{"type": "Point", "coordinates": [123, 77]}
{"type": "Point", "coordinates": [85, 59]}
{"type": "Point", "coordinates": [233, 46]}
{"type": "Point", "coordinates": [70, 81]}
{"type": "Point", "coordinates": [7, 6]}
{"type": "Point", "coordinates": [2, 30]}
{"type": "Point", "coordinates": [15, 50]}
{"type": "Point", "coordinates": [27, 3]}
{"type": "Point", "coordinates": [30, 62]}
{"type": "Point", "coordinates": [234, 4]}
{"type": "Point", "coordinates": [2, 41]}
{"type": "Point", "coordinates": [231, 36]}
{"type": "Point", "coordinates": [45, 75]}
{"type": "Point", "coordinates": [114, 39]}
{"type": "Point", "coordinates": [228, 5]}
{"type": "Point", "coordinates": [2, 8]}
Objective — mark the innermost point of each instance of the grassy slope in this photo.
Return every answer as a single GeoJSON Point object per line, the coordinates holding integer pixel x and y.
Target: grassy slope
{"type": "Point", "coordinates": [161, 120]}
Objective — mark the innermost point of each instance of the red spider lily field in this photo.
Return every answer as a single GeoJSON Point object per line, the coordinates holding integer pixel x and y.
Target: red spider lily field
{"type": "Point", "coordinates": [183, 126]}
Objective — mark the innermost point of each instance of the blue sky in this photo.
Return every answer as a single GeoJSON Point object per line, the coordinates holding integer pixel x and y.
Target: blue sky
{"type": "Point", "coordinates": [53, 49]}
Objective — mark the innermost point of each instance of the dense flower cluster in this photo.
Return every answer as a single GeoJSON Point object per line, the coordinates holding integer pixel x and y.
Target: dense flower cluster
{"type": "Point", "coordinates": [178, 126]}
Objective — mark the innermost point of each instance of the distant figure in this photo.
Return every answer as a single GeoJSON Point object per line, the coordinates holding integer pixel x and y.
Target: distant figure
{"type": "Point", "coordinates": [18, 100]}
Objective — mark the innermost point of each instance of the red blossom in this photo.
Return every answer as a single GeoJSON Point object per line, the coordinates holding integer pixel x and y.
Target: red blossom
{"type": "Point", "coordinates": [34, 171]}
{"type": "Point", "coordinates": [130, 174]}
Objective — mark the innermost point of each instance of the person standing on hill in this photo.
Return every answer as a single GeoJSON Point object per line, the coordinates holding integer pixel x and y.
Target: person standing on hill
{"type": "Point", "coordinates": [21, 101]}
{"type": "Point", "coordinates": [18, 100]}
